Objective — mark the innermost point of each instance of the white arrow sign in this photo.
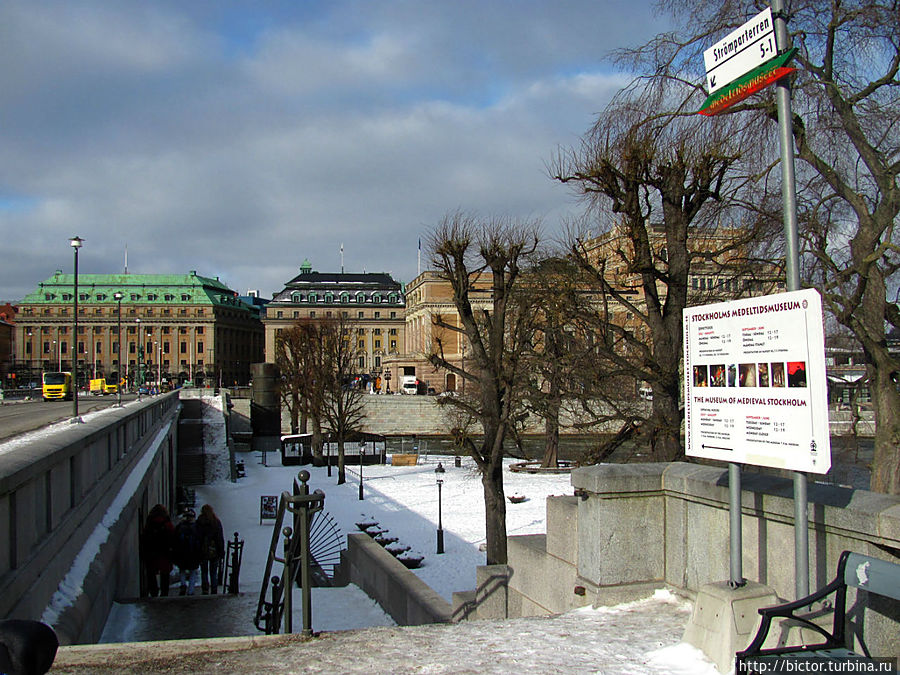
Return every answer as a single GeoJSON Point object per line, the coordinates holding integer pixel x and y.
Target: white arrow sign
{"type": "Point", "coordinates": [749, 46]}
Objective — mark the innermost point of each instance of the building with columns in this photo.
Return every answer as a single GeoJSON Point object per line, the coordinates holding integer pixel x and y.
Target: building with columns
{"type": "Point", "coordinates": [175, 328]}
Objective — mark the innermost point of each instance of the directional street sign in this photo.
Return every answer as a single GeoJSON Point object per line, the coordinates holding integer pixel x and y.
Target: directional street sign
{"type": "Point", "coordinates": [758, 78]}
{"type": "Point", "coordinates": [741, 51]}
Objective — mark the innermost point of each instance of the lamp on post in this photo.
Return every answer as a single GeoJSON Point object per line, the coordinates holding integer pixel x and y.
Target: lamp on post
{"type": "Point", "coordinates": [140, 356]}
{"type": "Point", "coordinates": [76, 243]}
{"type": "Point", "coordinates": [118, 295]}
{"type": "Point", "coordinates": [440, 529]}
{"type": "Point", "coordinates": [362, 447]}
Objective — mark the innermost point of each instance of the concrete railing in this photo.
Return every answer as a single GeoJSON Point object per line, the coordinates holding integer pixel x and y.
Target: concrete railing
{"type": "Point", "coordinates": [71, 504]}
{"type": "Point", "coordinates": [635, 527]}
{"type": "Point", "coordinates": [403, 595]}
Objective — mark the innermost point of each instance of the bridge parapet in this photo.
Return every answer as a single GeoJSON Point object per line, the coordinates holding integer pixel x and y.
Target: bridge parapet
{"type": "Point", "coordinates": [71, 503]}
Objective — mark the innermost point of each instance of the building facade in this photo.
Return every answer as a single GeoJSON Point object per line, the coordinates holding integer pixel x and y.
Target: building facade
{"type": "Point", "coordinates": [373, 306]}
{"type": "Point", "coordinates": [175, 328]}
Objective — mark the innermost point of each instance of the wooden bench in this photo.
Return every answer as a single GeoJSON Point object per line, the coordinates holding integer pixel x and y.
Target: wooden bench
{"type": "Point", "coordinates": [854, 569]}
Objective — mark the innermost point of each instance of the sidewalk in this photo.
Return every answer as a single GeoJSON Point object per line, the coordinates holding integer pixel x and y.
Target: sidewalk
{"type": "Point", "coordinates": [642, 637]}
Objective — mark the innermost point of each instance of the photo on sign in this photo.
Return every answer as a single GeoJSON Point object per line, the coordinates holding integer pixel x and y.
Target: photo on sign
{"type": "Point", "coordinates": [796, 373]}
{"type": "Point", "coordinates": [763, 374]}
{"type": "Point", "coordinates": [732, 375]}
{"type": "Point", "coordinates": [777, 374]}
{"type": "Point", "coordinates": [747, 374]}
{"type": "Point", "coordinates": [717, 375]}
{"type": "Point", "coordinates": [700, 376]}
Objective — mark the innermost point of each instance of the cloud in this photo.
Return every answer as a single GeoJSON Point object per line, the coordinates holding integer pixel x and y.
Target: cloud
{"type": "Point", "coordinates": [241, 140]}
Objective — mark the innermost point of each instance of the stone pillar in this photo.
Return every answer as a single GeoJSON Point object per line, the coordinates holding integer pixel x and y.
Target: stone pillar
{"type": "Point", "coordinates": [265, 407]}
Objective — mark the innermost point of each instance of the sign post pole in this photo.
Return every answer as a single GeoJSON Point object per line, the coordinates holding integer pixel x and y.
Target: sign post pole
{"type": "Point", "coordinates": [792, 270]}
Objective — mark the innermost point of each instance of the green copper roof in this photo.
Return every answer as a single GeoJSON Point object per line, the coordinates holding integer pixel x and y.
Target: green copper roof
{"type": "Point", "coordinates": [143, 289]}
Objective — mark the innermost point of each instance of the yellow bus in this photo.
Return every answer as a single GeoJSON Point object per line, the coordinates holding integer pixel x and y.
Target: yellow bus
{"type": "Point", "coordinates": [57, 386]}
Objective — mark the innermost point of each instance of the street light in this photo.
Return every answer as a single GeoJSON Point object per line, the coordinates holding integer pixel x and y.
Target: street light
{"type": "Point", "coordinates": [140, 356]}
{"type": "Point", "coordinates": [362, 447]}
{"type": "Point", "coordinates": [75, 243]}
{"type": "Point", "coordinates": [440, 530]}
{"type": "Point", "coordinates": [118, 295]}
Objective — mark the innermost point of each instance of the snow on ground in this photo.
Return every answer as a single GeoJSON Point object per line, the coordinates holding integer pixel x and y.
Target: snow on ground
{"type": "Point", "coordinates": [404, 500]}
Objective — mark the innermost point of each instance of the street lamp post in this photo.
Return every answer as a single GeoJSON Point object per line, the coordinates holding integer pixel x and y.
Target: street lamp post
{"type": "Point", "coordinates": [362, 447]}
{"type": "Point", "coordinates": [440, 529]}
{"type": "Point", "coordinates": [118, 295]}
{"type": "Point", "coordinates": [76, 243]}
{"type": "Point", "coordinates": [140, 356]}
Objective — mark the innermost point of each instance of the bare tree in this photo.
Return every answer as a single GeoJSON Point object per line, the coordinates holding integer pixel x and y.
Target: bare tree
{"type": "Point", "coordinates": [300, 357]}
{"type": "Point", "coordinates": [343, 408]}
{"type": "Point", "coordinates": [473, 256]}
{"type": "Point", "coordinates": [665, 193]}
{"type": "Point", "coordinates": [846, 103]}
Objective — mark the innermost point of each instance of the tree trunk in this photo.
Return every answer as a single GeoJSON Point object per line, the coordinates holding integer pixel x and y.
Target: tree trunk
{"type": "Point", "coordinates": [494, 513]}
{"type": "Point", "coordinates": [551, 445]}
{"type": "Point", "coordinates": [342, 474]}
{"type": "Point", "coordinates": [886, 403]}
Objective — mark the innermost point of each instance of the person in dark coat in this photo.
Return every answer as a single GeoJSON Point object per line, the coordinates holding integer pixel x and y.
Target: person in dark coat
{"type": "Point", "coordinates": [157, 541]}
{"type": "Point", "coordinates": [212, 548]}
{"type": "Point", "coordinates": [187, 552]}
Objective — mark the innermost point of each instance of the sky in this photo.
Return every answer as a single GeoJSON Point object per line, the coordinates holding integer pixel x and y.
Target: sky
{"type": "Point", "coordinates": [239, 139]}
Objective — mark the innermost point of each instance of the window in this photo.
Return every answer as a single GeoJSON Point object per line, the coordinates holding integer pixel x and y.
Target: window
{"type": "Point", "coordinates": [360, 315]}
{"type": "Point", "coordinates": [101, 296]}
{"type": "Point", "coordinates": [296, 315]}
{"type": "Point", "coordinates": [377, 344]}
{"type": "Point", "coordinates": [199, 330]}
{"type": "Point", "coordinates": [199, 347]}
{"type": "Point", "coordinates": [361, 344]}
{"type": "Point", "coordinates": [378, 362]}
{"type": "Point", "coordinates": [345, 297]}
{"type": "Point", "coordinates": [135, 296]}
{"type": "Point", "coordinates": [185, 297]}
{"type": "Point", "coordinates": [393, 331]}
{"type": "Point", "coordinates": [377, 315]}
{"type": "Point", "coordinates": [312, 314]}
{"type": "Point", "coordinates": [67, 297]}
{"type": "Point", "coordinates": [362, 362]}
{"type": "Point", "coordinates": [360, 331]}
{"type": "Point", "coordinates": [393, 315]}
{"type": "Point", "coordinates": [169, 297]}
{"type": "Point", "coordinates": [132, 348]}
{"type": "Point", "coordinates": [393, 345]}
{"type": "Point", "coordinates": [152, 296]}
{"type": "Point", "coordinates": [377, 331]}
{"type": "Point", "coordinates": [99, 348]}
{"type": "Point", "coordinates": [183, 348]}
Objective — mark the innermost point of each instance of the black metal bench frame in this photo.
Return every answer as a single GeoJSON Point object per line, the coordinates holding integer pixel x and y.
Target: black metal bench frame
{"type": "Point", "coordinates": [854, 569]}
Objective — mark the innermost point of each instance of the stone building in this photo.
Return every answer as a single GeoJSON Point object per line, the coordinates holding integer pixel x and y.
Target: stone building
{"type": "Point", "coordinates": [176, 328]}
{"type": "Point", "coordinates": [372, 304]}
{"type": "Point", "coordinates": [7, 349]}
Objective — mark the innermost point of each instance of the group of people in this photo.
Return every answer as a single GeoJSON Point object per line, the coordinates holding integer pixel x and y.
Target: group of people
{"type": "Point", "coordinates": [196, 546]}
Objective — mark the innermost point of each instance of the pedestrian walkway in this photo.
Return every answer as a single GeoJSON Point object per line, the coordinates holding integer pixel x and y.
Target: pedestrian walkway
{"type": "Point", "coordinates": [639, 638]}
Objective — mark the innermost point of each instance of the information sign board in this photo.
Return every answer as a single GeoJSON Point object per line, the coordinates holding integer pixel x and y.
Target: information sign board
{"type": "Point", "coordinates": [755, 389]}
{"type": "Point", "coordinates": [741, 51]}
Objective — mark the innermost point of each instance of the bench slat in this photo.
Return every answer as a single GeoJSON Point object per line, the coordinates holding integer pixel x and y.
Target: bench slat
{"type": "Point", "coordinates": [874, 575]}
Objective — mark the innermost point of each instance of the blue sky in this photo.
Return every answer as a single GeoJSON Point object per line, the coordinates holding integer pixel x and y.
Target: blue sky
{"type": "Point", "coordinates": [238, 139]}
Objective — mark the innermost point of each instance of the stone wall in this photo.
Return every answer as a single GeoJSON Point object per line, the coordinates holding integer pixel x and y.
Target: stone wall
{"type": "Point", "coordinates": [636, 527]}
{"type": "Point", "coordinates": [71, 503]}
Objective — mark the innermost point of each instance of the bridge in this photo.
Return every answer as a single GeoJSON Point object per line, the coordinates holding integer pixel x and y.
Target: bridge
{"type": "Point", "coordinates": [71, 505]}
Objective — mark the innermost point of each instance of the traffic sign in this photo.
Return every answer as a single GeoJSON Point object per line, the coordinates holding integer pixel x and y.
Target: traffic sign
{"type": "Point", "coordinates": [741, 51]}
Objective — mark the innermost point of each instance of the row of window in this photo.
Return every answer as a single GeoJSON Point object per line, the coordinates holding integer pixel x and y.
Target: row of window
{"type": "Point", "coordinates": [279, 314]}
{"type": "Point", "coordinates": [102, 297]}
{"type": "Point", "coordinates": [166, 330]}
{"type": "Point", "coordinates": [113, 311]}
{"type": "Point", "coordinates": [132, 348]}
{"type": "Point", "coordinates": [359, 298]}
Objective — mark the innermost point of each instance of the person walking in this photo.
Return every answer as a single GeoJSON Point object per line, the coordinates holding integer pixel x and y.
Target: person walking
{"type": "Point", "coordinates": [212, 548]}
{"type": "Point", "coordinates": [187, 552]}
{"type": "Point", "coordinates": [157, 541]}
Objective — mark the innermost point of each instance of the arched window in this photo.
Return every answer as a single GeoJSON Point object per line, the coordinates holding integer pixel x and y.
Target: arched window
{"type": "Point", "coordinates": [345, 297]}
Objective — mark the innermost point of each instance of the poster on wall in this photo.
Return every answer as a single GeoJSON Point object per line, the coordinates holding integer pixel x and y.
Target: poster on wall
{"type": "Point", "coordinates": [754, 382]}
